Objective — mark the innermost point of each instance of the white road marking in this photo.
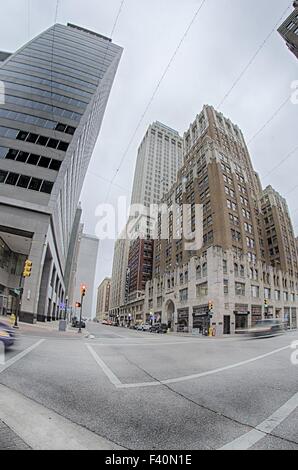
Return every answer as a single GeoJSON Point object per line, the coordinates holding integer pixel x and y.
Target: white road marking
{"type": "Point", "coordinates": [109, 373]}
{"type": "Point", "coordinates": [265, 428]}
{"type": "Point", "coordinates": [19, 356]}
{"type": "Point", "coordinates": [96, 343]}
{"type": "Point", "coordinates": [44, 429]}
{"type": "Point", "coordinates": [118, 384]}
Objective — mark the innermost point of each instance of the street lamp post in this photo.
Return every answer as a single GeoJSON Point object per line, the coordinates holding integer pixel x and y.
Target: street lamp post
{"type": "Point", "coordinates": [65, 307]}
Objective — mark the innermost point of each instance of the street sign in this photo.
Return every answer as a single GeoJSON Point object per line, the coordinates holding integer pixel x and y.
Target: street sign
{"type": "Point", "coordinates": [18, 291]}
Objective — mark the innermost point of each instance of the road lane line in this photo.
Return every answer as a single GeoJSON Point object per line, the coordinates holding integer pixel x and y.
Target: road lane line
{"type": "Point", "coordinates": [44, 429]}
{"type": "Point", "coordinates": [96, 343]}
{"type": "Point", "coordinates": [202, 374]}
{"type": "Point", "coordinates": [19, 356]}
{"type": "Point", "coordinates": [108, 372]}
{"type": "Point", "coordinates": [265, 428]}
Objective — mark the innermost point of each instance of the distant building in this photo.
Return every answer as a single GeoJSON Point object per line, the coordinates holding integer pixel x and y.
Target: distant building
{"type": "Point", "coordinates": [103, 299]}
{"type": "Point", "coordinates": [289, 30]}
{"type": "Point", "coordinates": [85, 274]}
{"type": "Point", "coordinates": [160, 156]}
{"type": "Point", "coordinates": [119, 274]}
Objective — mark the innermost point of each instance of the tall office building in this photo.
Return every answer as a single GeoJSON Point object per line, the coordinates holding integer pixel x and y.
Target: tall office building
{"type": "Point", "coordinates": [103, 299]}
{"type": "Point", "coordinates": [160, 155]}
{"type": "Point", "coordinates": [246, 268]}
{"type": "Point", "coordinates": [289, 30]}
{"type": "Point", "coordinates": [56, 91]}
{"type": "Point", "coordinates": [159, 158]}
{"type": "Point", "coordinates": [119, 275]}
{"type": "Point", "coordinates": [85, 273]}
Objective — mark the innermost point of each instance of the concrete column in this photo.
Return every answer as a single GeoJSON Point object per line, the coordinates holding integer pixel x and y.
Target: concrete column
{"type": "Point", "coordinates": [29, 307]}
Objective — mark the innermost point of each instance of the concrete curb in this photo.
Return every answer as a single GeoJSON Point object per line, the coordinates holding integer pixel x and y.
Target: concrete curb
{"type": "Point", "coordinates": [44, 429]}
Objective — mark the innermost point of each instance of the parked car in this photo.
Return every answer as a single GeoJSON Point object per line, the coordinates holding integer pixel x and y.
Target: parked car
{"type": "Point", "coordinates": [139, 327]}
{"type": "Point", "coordinates": [104, 322]}
{"type": "Point", "coordinates": [7, 335]}
{"type": "Point", "coordinates": [268, 327]}
{"type": "Point", "coordinates": [159, 328]}
{"type": "Point", "coordinates": [146, 327]}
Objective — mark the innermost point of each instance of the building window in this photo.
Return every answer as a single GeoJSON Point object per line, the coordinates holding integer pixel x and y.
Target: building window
{"type": "Point", "coordinates": [226, 286]}
{"type": "Point", "coordinates": [239, 288]}
{"type": "Point", "coordinates": [255, 292]}
{"type": "Point", "coordinates": [183, 295]}
{"type": "Point", "coordinates": [225, 266]}
{"type": "Point", "coordinates": [202, 289]}
{"type": "Point", "coordinates": [267, 293]}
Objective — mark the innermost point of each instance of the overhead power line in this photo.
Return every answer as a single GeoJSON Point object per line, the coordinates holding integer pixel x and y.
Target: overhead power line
{"type": "Point", "coordinates": [157, 87]}
{"type": "Point", "coordinates": [281, 162]}
{"type": "Point", "coordinates": [252, 59]}
{"type": "Point", "coordinates": [269, 120]}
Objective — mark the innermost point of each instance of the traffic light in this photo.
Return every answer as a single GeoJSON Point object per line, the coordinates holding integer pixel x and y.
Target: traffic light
{"type": "Point", "coordinates": [78, 304]}
{"type": "Point", "coordinates": [210, 305]}
{"type": "Point", "coordinates": [27, 268]}
{"type": "Point", "coordinates": [83, 290]}
{"type": "Point", "coordinates": [266, 303]}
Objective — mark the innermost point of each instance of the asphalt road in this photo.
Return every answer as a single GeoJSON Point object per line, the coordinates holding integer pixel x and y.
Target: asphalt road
{"type": "Point", "coordinates": [146, 391]}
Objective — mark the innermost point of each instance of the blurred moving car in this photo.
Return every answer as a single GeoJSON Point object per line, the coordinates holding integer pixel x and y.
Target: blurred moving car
{"type": "Point", "coordinates": [268, 327]}
{"type": "Point", "coordinates": [104, 322]}
{"type": "Point", "coordinates": [159, 328]}
{"type": "Point", "coordinates": [7, 335]}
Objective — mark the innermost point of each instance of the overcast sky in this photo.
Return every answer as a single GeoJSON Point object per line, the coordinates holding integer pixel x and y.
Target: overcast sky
{"type": "Point", "coordinates": [224, 37]}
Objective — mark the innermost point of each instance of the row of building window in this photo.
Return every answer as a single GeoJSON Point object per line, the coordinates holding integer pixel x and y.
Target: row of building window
{"type": "Point", "coordinates": [47, 43]}
{"type": "Point", "coordinates": [44, 81]}
{"type": "Point", "coordinates": [52, 73]}
{"type": "Point", "coordinates": [65, 62]}
{"type": "Point", "coordinates": [99, 48]}
{"type": "Point", "coordinates": [36, 121]}
{"type": "Point", "coordinates": [47, 94]}
{"type": "Point", "coordinates": [47, 108]}
{"type": "Point", "coordinates": [33, 138]}
{"type": "Point", "coordinates": [30, 158]}
{"type": "Point", "coordinates": [202, 290]}
{"type": "Point", "coordinates": [26, 182]}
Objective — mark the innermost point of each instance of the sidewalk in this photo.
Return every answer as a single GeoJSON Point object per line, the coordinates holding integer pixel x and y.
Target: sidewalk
{"type": "Point", "coordinates": [9, 440]}
{"type": "Point", "coordinates": [42, 327]}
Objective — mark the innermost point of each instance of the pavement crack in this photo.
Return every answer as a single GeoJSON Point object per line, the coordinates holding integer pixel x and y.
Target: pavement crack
{"type": "Point", "coordinates": [204, 407]}
{"type": "Point", "coordinates": [65, 417]}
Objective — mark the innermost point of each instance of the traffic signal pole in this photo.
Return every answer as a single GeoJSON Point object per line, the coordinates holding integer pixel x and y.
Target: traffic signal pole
{"type": "Point", "coordinates": [81, 311]}
{"type": "Point", "coordinates": [19, 302]}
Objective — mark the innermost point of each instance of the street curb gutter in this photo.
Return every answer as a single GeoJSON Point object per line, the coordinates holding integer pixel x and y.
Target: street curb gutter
{"type": "Point", "coordinates": [44, 429]}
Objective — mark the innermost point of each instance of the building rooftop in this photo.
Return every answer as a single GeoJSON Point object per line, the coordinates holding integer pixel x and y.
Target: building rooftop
{"type": "Point", "coordinates": [88, 31]}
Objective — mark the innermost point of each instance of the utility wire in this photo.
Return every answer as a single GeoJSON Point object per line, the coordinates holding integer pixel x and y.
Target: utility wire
{"type": "Point", "coordinates": [269, 120]}
{"type": "Point", "coordinates": [156, 90]}
{"type": "Point", "coordinates": [252, 59]}
{"type": "Point", "coordinates": [281, 162]}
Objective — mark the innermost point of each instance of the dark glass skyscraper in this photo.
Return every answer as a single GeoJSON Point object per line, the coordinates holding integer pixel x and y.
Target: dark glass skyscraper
{"type": "Point", "coordinates": [56, 91]}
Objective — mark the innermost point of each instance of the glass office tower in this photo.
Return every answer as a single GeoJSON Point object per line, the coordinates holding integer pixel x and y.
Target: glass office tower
{"type": "Point", "coordinates": [56, 91]}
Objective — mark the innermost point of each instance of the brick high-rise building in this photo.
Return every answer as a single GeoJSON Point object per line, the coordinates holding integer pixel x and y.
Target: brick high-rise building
{"type": "Point", "coordinates": [233, 270]}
